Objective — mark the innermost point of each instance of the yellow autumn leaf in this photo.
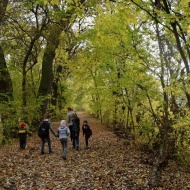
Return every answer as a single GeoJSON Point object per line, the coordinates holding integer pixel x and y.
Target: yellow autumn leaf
{"type": "Point", "coordinates": [54, 2]}
{"type": "Point", "coordinates": [184, 2]}
{"type": "Point", "coordinates": [50, 185]}
{"type": "Point", "coordinates": [188, 29]}
{"type": "Point", "coordinates": [46, 2]}
{"type": "Point", "coordinates": [98, 34]}
{"type": "Point", "coordinates": [92, 155]}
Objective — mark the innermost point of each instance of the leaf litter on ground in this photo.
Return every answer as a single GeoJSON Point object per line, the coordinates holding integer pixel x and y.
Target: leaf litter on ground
{"type": "Point", "coordinates": [108, 164]}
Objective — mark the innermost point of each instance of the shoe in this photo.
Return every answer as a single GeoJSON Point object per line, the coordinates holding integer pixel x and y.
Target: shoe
{"type": "Point", "coordinates": [77, 148]}
{"type": "Point", "coordinates": [50, 152]}
{"type": "Point", "coordinates": [42, 152]}
{"type": "Point", "coordinates": [64, 158]}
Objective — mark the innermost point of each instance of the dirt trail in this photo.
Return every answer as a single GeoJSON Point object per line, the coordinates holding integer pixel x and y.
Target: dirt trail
{"type": "Point", "coordinates": [107, 165]}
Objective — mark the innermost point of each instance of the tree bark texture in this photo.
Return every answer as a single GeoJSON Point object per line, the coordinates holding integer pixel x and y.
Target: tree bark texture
{"type": "Point", "coordinates": [47, 67]}
{"type": "Point", "coordinates": [6, 88]}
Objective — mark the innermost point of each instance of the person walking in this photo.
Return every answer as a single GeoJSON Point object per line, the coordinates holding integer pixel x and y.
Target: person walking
{"type": "Point", "coordinates": [43, 132]}
{"type": "Point", "coordinates": [87, 132]}
{"type": "Point", "coordinates": [22, 135]}
{"type": "Point", "coordinates": [69, 120]}
{"type": "Point", "coordinates": [63, 133]}
{"type": "Point", "coordinates": [75, 131]}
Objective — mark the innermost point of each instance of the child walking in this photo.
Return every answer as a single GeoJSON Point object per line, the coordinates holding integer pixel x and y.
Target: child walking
{"type": "Point", "coordinates": [22, 135]}
{"type": "Point", "coordinates": [63, 133]}
{"type": "Point", "coordinates": [87, 132]}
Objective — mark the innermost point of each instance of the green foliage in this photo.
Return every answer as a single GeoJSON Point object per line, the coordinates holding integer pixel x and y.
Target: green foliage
{"type": "Point", "coordinates": [122, 79]}
{"type": "Point", "coordinates": [112, 59]}
{"type": "Point", "coordinates": [9, 122]}
{"type": "Point", "coordinates": [1, 133]}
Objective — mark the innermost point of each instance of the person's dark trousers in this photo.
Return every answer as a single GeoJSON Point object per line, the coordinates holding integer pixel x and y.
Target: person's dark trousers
{"type": "Point", "coordinates": [23, 144]}
{"type": "Point", "coordinates": [71, 131]}
{"type": "Point", "coordinates": [75, 140]}
{"type": "Point", "coordinates": [86, 140]}
{"type": "Point", "coordinates": [44, 140]}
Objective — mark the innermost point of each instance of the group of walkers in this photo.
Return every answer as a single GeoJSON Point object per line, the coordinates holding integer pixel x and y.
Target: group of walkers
{"type": "Point", "coordinates": [69, 127]}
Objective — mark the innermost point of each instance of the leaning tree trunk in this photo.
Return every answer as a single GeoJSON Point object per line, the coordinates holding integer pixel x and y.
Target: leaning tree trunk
{"type": "Point", "coordinates": [49, 55]}
{"type": "Point", "coordinates": [47, 67]}
{"type": "Point", "coordinates": [164, 146]}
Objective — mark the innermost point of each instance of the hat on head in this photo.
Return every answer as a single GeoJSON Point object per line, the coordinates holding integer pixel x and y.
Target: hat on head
{"type": "Point", "coordinates": [22, 124]}
{"type": "Point", "coordinates": [85, 121]}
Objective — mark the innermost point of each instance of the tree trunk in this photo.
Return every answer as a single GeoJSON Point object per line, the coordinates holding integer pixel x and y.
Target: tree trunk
{"type": "Point", "coordinates": [163, 148]}
{"type": "Point", "coordinates": [55, 85]}
{"type": "Point", "coordinates": [24, 68]}
{"type": "Point", "coordinates": [6, 88]}
{"type": "Point", "coordinates": [3, 6]}
{"type": "Point", "coordinates": [49, 55]}
{"type": "Point", "coordinates": [47, 67]}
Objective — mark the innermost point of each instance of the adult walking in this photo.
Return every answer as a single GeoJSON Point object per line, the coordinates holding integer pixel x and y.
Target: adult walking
{"type": "Point", "coordinates": [43, 132]}
{"type": "Point", "coordinates": [69, 121]}
{"type": "Point", "coordinates": [75, 131]}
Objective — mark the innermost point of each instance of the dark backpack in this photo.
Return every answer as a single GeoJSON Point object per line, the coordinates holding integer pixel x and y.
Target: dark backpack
{"type": "Point", "coordinates": [43, 130]}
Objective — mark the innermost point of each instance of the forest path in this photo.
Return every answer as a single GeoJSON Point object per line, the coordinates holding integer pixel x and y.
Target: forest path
{"type": "Point", "coordinates": [107, 165]}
